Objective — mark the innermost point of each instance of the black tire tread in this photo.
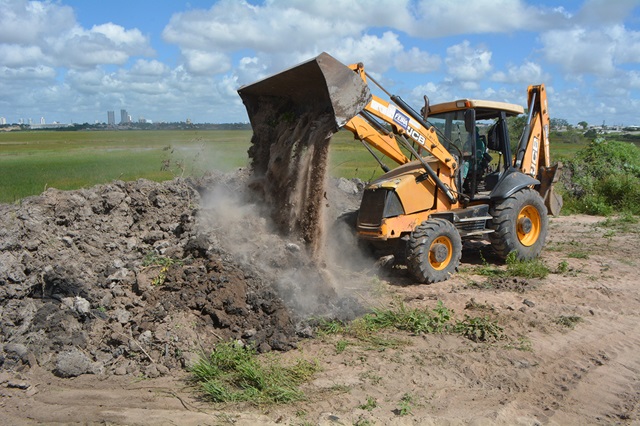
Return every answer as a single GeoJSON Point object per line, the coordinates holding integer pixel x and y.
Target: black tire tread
{"type": "Point", "coordinates": [418, 250]}
{"type": "Point", "coordinates": [504, 239]}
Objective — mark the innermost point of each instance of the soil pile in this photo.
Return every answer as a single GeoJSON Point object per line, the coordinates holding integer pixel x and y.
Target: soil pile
{"type": "Point", "coordinates": [123, 279]}
{"type": "Point", "coordinates": [139, 277]}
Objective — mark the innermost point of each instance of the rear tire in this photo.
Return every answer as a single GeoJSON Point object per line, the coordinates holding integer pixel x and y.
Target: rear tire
{"type": "Point", "coordinates": [520, 223]}
{"type": "Point", "coordinates": [434, 251]}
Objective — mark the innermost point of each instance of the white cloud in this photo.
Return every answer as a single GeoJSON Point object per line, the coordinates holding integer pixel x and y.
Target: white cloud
{"type": "Point", "coordinates": [39, 72]}
{"type": "Point", "coordinates": [26, 22]}
{"type": "Point", "coordinates": [130, 39]}
{"type": "Point", "coordinates": [416, 60]}
{"type": "Point", "coordinates": [441, 18]}
{"type": "Point", "coordinates": [151, 68]}
{"type": "Point", "coordinates": [15, 56]}
{"type": "Point", "coordinates": [103, 44]}
{"type": "Point", "coordinates": [435, 92]}
{"type": "Point", "coordinates": [376, 53]}
{"type": "Point", "coordinates": [231, 25]}
{"type": "Point", "coordinates": [595, 51]}
{"type": "Point", "coordinates": [604, 12]}
{"type": "Point", "coordinates": [201, 62]}
{"type": "Point", "coordinates": [527, 73]}
{"type": "Point", "coordinates": [466, 63]}
{"type": "Point", "coordinates": [283, 33]}
{"type": "Point", "coordinates": [47, 33]}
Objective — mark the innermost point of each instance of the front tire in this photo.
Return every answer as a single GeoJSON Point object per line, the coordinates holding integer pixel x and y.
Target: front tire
{"type": "Point", "coordinates": [520, 223]}
{"type": "Point", "coordinates": [434, 251]}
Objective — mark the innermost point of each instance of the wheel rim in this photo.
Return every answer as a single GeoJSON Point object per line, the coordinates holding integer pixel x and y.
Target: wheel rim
{"type": "Point", "coordinates": [529, 225]}
{"type": "Point", "coordinates": [438, 259]}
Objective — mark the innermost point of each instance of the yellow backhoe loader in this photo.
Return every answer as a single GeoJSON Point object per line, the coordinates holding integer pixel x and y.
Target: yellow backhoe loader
{"type": "Point", "coordinates": [456, 176]}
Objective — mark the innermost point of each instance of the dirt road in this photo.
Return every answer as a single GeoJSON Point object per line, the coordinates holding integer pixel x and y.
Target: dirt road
{"type": "Point", "coordinates": [571, 356]}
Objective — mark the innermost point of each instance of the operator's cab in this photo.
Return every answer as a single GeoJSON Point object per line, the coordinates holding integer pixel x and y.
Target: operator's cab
{"type": "Point", "coordinates": [472, 130]}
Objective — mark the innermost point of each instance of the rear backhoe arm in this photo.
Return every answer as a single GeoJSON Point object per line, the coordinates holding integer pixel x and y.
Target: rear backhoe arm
{"type": "Point", "coordinates": [532, 156]}
{"type": "Point", "coordinates": [533, 149]}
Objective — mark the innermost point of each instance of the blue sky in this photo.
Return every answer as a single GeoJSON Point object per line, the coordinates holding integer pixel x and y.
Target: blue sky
{"type": "Point", "coordinates": [73, 60]}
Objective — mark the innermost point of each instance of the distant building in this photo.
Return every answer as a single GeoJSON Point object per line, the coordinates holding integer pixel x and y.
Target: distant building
{"type": "Point", "coordinates": [3, 121]}
{"type": "Point", "coordinates": [111, 118]}
{"type": "Point", "coordinates": [124, 117]}
{"type": "Point", "coordinates": [42, 121]}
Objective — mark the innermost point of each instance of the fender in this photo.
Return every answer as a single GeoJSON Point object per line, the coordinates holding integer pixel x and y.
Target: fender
{"type": "Point", "coordinates": [510, 182]}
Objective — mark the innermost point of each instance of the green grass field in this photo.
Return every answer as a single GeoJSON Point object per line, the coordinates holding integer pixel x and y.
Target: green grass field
{"type": "Point", "coordinates": [32, 161]}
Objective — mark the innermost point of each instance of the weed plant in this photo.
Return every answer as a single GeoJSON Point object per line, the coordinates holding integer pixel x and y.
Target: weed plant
{"type": "Point", "coordinates": [233, 373]}
{"type": "Point", "coordinates": [568, 321]}
{"type": "Point", "coordinates": [625, 223]}
{"type": "Point", "coordinates": [415, 320]}
{"type": "Point", "coordinates": [533, 268]}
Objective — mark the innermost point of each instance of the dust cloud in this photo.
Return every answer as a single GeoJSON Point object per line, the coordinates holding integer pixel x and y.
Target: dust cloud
{"type": "Point", "coordinates": [328, 280]}
{"type": "Point", "coordinates": [280, 217]}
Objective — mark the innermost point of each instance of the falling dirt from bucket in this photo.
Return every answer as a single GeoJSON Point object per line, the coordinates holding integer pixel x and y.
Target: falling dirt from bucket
{"type": "Point", "coordinates": [290, 162]}
{"type": "Point", "coordinates": [293, 115]}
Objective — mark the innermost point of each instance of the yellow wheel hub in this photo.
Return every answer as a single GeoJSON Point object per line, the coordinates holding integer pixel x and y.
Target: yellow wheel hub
{"type": "Point", "coordinates": [529, 225]}
{"type": "Point", "coordinates": [440, 253]}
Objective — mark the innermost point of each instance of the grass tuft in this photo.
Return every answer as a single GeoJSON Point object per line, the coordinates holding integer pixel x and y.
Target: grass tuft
{"type": "Point", "coordinates": [414, 320]}
{"type": "Point", "coordinates": [233, 373]}
{"type": "Point", "coordinates": [534, 268]}
{"type": "Point", "coordinates": [569, 321]}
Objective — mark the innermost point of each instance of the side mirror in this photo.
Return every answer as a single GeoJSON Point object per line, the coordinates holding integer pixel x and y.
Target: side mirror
{"type": "Point", "coordinates": [470, 120]}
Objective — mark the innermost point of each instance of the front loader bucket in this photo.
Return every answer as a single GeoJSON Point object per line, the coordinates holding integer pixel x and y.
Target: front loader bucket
{"type": "Point", "coordinates": [322, 84]}
{"type": "Point", "coordinates": [293, 115]}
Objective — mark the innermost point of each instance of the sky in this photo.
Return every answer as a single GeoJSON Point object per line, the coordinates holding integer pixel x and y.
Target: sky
{"type": "Point", "coordinates": [172, 60]}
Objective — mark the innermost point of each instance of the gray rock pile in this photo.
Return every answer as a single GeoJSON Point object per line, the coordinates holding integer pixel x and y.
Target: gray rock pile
{"type": "Point", "coordinates": [119, 279]}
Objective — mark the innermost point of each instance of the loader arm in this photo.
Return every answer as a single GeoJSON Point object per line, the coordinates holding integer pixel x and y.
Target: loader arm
{"type": "Point", "coordinates": [384, 142]}
{"type": "Point", "coordinates": [403, 122]}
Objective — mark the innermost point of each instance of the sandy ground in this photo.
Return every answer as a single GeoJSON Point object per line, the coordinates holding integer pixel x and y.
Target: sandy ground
{"type": "Point", "coordinates": [542, 373]}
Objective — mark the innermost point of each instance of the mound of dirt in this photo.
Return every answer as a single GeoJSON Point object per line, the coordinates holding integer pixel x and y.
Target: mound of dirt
{"type": "Point", "coordinates": [121, 279]}
{"type": "Point", "coordinates": [140, 277]}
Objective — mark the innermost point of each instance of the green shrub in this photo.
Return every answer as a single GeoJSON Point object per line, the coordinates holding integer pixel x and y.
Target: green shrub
{"type": "Point", "coordinates": [479, 329]}
{"type": "Point", "coordinates": [603, 179]}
